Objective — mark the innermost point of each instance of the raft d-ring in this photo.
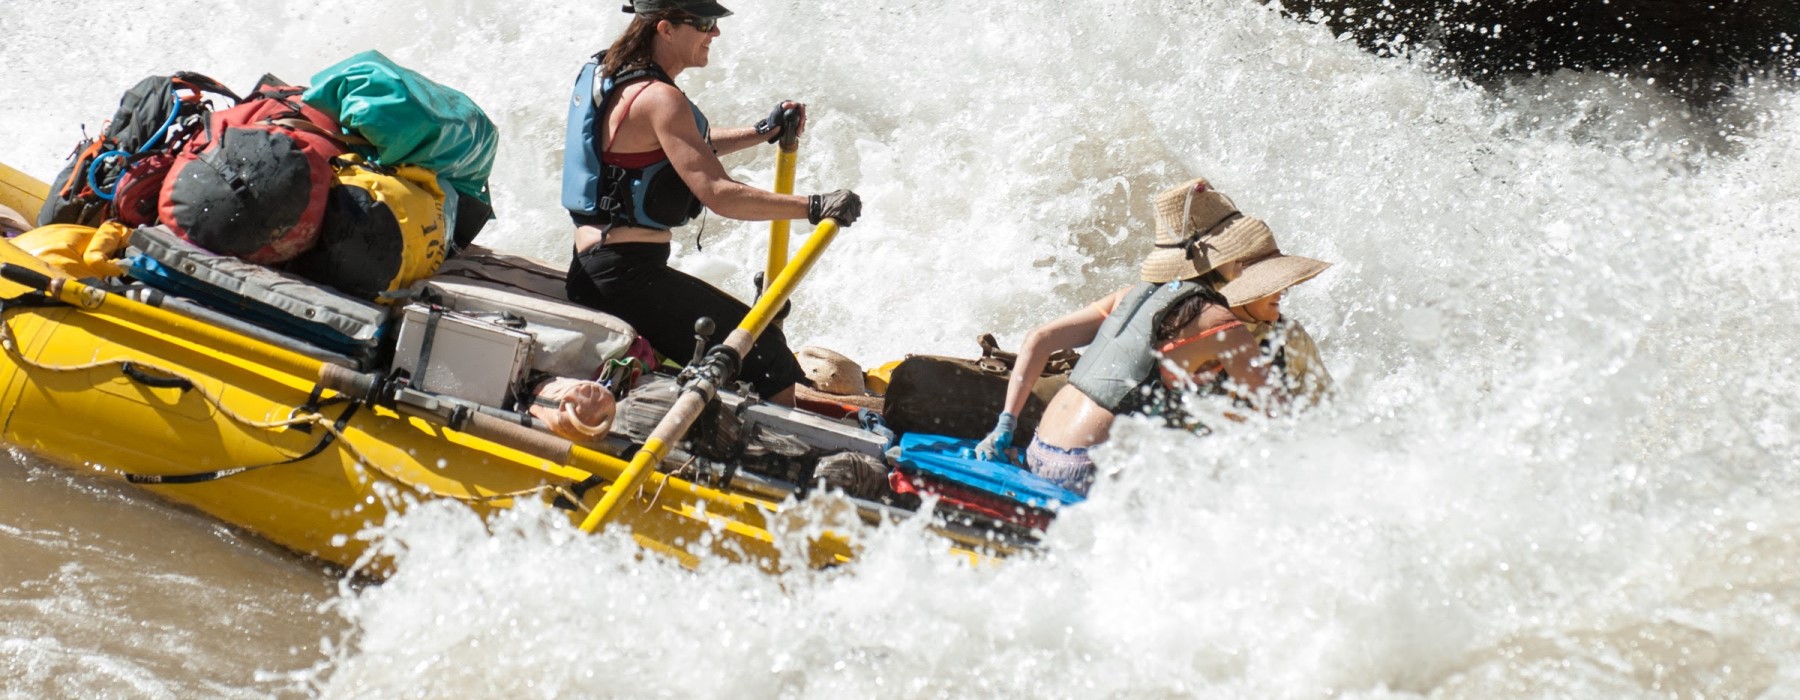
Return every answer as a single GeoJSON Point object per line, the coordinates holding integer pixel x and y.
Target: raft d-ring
{"type": "Point", "coordinates": [304, 427]}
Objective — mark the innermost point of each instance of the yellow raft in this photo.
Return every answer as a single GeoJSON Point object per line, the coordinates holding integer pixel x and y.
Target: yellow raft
{"type": "Point", "coordinates": [102, 381]}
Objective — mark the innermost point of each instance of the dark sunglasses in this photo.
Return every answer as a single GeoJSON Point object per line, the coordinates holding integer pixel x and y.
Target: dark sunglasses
{"type": "Point", "coordinates": [704, 24]}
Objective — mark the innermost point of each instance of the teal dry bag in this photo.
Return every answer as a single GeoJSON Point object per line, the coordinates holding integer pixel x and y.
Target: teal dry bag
{"type": "Point", "coordinates": [410, 120]}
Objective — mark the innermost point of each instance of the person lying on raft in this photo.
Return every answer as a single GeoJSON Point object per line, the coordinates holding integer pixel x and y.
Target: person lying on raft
{"type": "Point", "coordinates": [1202, 341]}
{"type": "Point", "coordinates": [1189, 219]}
{"type": "Point", "coordinates": [649, 163]}
{"type": "Point", "coordinates": [1201, 238]}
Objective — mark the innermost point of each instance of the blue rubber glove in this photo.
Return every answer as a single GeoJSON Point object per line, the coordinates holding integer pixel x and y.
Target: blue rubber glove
{"type": "Point", "coordinates": [993, 447]}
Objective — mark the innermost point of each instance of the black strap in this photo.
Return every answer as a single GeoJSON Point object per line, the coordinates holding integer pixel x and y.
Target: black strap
{"type": "Point", "coordinates": [29, 300]}
{"type": "Point", "coordinates": [650, 70]}
{"type": "Point", "coordinates": [145, 378]}
{"type": "Point", "coordinates": [206, 83]}
{"type": "Point", "coordinates": [314, 401]}
{"type": "Point", "coordinates": [612, 192]}
{"type": "Point", "coordinates": [579, 490]}
{"type": "Point", "coordinates": [607, 96]}
{"type": "Point", "coordinates": [1192, 240]}
{"type": "Point", "coordinates": [203, 477]}
{"type": "Point", "coordinates": [431, 324]}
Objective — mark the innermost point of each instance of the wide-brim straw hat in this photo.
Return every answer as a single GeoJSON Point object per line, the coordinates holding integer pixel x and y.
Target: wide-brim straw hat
{"type": "Point", "coordinates": [1241, 238]}
{"type": "Point", "coordinates": [1270, 276]}
{"type": "Point", "coordinates": [834, 378]}
{"type": "Point", "coordinates": [1197, 230]}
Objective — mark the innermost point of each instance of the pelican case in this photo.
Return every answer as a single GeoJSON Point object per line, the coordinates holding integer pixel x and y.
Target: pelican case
{"type": "Point", "coordinates": [481, 359]}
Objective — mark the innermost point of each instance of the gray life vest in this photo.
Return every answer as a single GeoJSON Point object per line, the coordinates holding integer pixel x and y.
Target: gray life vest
{"type": "Point", "coordinates": [1119, 361]}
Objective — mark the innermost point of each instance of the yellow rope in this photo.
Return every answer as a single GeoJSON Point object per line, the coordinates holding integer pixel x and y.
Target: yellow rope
{"type": "Point", "coordinates": [673, 474]}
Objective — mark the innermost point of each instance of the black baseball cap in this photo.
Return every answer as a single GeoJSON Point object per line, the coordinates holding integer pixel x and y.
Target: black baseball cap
{"type": "Point", "coordinates": [704, 9]}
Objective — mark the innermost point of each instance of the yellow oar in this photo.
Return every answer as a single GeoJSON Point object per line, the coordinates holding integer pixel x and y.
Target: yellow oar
{"type": "Point", "coordinates": [176, 327]}
{"type": "Point", "coordinates": [214, 339]}
{"type": "Point", "coordinates": [784, 184]}
{"type": "Point", "coordinates": [720, 365]}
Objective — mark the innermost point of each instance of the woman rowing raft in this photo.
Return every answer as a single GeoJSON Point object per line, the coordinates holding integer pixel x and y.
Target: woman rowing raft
{"type": "Point", "coordinates": [641, 160]}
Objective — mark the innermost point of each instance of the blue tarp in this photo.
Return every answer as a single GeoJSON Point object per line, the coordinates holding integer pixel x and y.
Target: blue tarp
{"type": "Point", "coordinates": [953, 459]}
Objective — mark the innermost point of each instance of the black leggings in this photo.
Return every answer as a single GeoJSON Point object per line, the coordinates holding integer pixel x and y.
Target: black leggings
{"type": "Point", "coordinates": [634, 282]}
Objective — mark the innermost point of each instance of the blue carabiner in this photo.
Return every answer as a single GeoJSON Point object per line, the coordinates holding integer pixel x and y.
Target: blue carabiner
{"type": "Point", "coordinates": [93, 173]}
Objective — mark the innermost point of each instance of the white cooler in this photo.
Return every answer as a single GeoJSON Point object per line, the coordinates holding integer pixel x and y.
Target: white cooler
{"type": "Point", "coordinates": [468, 357]}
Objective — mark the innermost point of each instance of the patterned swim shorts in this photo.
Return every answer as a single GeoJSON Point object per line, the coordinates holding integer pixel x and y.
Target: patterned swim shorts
{"type": "Point", "coordinates": [1069, 467]}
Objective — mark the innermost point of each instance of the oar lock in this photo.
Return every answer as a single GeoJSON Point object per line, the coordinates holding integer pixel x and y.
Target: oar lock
{"type": "Point", "coordinates": [703, 330]}
{"type": "Point", "coordinates": [713, 366]}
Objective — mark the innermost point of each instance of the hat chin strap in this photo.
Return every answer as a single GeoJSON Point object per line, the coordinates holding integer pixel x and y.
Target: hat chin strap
{"type": "Point", "coordinates": [1187, 222]}
{"type": "Point", "coordinates": [1187, 215]}
{"type": "Point", "coordinates": [1193, 242]}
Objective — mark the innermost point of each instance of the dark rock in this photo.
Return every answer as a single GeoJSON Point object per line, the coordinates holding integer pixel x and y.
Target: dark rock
{"type": "Point", "coordinates": [1699, 48]}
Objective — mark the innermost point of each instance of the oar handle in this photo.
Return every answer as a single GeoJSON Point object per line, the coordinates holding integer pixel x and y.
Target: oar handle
{"type": "Point", "coordinates": [531, 441]}
{"type": "Point", "coordinates": [25, 276]}
{"type": "Point", "coordinates": [784, 184]}
{"type": "Point", "coordinates": [790, 130]}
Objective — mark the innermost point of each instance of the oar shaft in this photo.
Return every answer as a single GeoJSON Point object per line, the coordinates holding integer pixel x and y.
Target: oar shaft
{"type": "Point", "coordinates": [777, 290]}
{"type": "Point", "coordinates": [785, 159]}
{"type": "Point", "coordinates": [697, 394]}
{"type": "Point", "coordinates": [120, 308]}
{"type": "Point", "coordinates": [778, 229]}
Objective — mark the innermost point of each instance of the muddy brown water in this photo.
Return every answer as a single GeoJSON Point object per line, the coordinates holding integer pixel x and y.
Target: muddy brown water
{"type": "Point", "coordinates": [106, 591]}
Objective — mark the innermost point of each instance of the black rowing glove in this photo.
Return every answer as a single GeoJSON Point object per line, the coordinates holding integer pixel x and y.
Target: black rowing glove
{"type": "Point", "coordinates": [771, 126]}
{"type": "Point", "coordinates": [842, 205]}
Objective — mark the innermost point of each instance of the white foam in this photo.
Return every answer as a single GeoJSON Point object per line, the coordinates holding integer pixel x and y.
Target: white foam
{"type": "Point", "coordinates": [1561, 320]}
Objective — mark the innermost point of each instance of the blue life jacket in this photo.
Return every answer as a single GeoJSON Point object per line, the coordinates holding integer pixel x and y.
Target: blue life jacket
{"type": "Point", "coordinates": [653, 196]}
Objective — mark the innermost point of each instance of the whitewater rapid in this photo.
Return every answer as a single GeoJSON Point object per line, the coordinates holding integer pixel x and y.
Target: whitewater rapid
{"type": "Point", "coordinates": [1562, 320]}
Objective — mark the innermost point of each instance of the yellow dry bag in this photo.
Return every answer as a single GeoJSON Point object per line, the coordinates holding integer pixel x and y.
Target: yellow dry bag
{"type": "Point", "coordinates": [383, 230]}
{"type": "Point", "coordinates": [75, 251]}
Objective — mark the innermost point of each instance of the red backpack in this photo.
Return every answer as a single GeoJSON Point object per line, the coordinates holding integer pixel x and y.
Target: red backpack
{"type": "Point", "coordinates": [119, 174]}
{"type": "Point", "coordinates": [253, 184]}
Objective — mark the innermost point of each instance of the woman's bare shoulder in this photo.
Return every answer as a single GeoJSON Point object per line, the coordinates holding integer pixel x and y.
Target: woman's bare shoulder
{"type": "Point", "coordinates": [1214, 316]}
{"type": "Point", "coordinates": [661, 96]}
